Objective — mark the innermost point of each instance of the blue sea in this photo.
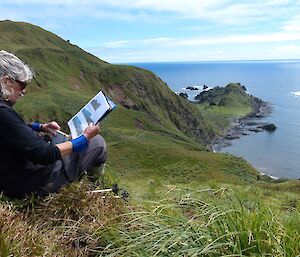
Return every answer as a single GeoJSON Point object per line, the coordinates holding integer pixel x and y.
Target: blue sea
{"type": "Point", "coordinates": [278, 82]}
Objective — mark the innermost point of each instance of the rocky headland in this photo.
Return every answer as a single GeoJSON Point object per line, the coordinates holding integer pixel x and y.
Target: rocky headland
{"type": "Point", "coordinates": [251, 123]}
{"type": "Point", "coordinates": [227, 105]}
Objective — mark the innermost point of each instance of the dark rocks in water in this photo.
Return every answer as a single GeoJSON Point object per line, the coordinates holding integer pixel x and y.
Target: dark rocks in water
{"type": "Point", "coordinates": [245, 133]}
{"type": "Point", "coordinates": [191, 88]}
{"type": "Point", "coordinates": [184, 95]}
{"type": "Point", "coordinates": [268, 127]}
{"type": "Point", "coordinates": [246, 125]}
{"type": "Point", "coordinates": [256, 129]}
{"type": "Point", "coordinates": [204, 87]}
{"type": "Point", "coordinates": [231, 137]}
{"type": "Point", "coordinates": [251, 123]}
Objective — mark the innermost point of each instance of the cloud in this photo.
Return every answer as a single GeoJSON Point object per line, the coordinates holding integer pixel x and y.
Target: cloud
{"type": "Point", "coordinates": [159, 40]}
{"type": "Point", "coordinates": [293, 24]}
{"type": "Point", "coordinates": [198, 41]}
{"type": "Point", "coordinates": [216, 25]}
{"type": "Point", "coordinates": [290, 51]}
{"type": "Point", "coordinates": [137, 43]}
{"type": "Point", "coordinates": [116, 44]}
{"type": "Point", "coordinates": [218, 11]}
{"type": "Point", "coordinates": [234, 47]}
{"type": "Point", "coordinates": [238, 39]}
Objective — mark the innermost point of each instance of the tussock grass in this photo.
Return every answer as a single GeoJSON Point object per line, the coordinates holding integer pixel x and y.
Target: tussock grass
{"type": "Point", "coordinates": [204, 223]}
{"type": "Point", "coordinates": [181, 222]}
{"type": "Point", "coordinates": [17, 237]}
{"type": "Point", "coordinates": [62, 224]}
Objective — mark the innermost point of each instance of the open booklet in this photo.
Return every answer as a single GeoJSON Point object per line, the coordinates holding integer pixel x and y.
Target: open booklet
{"type": "Point", "coordinates": [93, 112]}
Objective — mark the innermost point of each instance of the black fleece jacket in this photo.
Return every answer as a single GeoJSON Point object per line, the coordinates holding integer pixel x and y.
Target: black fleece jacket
{"type": "Point", "coordinates": [24, 155]}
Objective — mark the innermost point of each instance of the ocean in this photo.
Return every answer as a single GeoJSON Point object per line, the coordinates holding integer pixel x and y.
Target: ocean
{"type": "Point", "coordinates": [276, 154]}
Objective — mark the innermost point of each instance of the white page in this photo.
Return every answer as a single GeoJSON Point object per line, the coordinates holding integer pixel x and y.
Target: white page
{"type": "Point", "coordinates": [91, 112]}
{"type": "Point", "coordinates": [110, 102]}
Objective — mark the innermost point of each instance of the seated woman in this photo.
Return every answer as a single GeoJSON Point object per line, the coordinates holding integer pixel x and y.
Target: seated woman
{"type": "Point", "coordinates": [28, 164]}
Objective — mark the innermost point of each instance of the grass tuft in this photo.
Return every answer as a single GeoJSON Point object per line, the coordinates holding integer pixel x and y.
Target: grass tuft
{"type": "Point", "coordinates": [62, 224]}
{"type": "Point", "coordinates": [204, 223]}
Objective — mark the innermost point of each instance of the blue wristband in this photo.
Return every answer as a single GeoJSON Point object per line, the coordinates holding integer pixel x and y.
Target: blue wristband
{"type": "Point", "coordinates": [36, 126]}
{"type": "Point", "coordinates": [79, 143]}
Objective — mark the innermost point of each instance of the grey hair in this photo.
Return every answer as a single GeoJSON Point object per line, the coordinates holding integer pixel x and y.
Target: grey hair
{"type": "Point", "coordinates": [14, 68]}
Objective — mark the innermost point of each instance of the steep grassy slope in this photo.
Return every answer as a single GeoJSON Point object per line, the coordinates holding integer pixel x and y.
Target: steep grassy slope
{"type": "Point", "coordinates": [152, 133]}
{"type": "Point", "coordinates": [66, 77]}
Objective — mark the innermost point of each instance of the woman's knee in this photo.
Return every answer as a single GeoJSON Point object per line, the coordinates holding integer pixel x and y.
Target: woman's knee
{"type": "Point", "coordinates": [99, 140]}
{"type": "Point", "coordinates": [98, 144]}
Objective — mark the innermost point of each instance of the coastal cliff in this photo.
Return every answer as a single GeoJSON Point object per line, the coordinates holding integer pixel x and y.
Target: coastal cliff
{"type": "Point", "coordinates": [153, 133]}
{"type": "Point", "coordinates": [184, 200]}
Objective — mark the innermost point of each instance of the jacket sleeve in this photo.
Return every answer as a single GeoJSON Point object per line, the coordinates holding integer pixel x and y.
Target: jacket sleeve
{"type": "Point", "coordinates": [18, 137]}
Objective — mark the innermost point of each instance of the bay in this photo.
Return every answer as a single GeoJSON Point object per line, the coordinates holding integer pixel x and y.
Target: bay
{"type": "Point", "coordinates": [278, 82]}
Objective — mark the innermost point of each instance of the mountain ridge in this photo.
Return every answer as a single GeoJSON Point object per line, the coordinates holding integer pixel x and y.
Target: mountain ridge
{"type": "Point", "coordinates": [55, 60]}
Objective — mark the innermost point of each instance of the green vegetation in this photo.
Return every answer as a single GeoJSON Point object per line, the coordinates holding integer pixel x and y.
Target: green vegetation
{"type": "Point", "coordinates": [60, 225]}
{"type": "Point", "coordinates": [210, 220]}
{"type": "Point", "coordinates": [67, 77]}
{"type": "Point", "coordinates": [204, 222]}
{"type": "Point", "coordinates": [152, 135]}
{"type": "Point", "coordinates": [185, 200]}
{"type": "Point", "coordinates": [220, 106]}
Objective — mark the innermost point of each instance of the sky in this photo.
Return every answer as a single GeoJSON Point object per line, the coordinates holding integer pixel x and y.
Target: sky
{"type": "Point", "coordinates": [131, 31]}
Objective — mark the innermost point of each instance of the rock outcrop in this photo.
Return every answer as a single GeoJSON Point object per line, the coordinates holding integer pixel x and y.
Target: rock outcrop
{"type": "Point", "coordinates": [268, 127]}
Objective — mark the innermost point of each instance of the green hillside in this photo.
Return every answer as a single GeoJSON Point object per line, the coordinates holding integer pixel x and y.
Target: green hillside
{"type": "Point", "coordinates": [66, 77]}
{"type": "Point", "coordinates": [152, 133]}
{"type": "Point", "coordinates": [185, 200]}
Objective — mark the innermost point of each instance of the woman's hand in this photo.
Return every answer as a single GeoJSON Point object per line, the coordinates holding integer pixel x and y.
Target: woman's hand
{"type": "Point", "coordinates": [91, 131]}
{"type": "Point", "coordinates": [66, 148]}
{"type": "Point", "coordinates": [51, 127]}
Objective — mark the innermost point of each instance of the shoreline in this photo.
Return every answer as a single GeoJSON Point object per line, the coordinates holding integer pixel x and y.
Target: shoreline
{"type": "Point", "coordinates": [243, 126]}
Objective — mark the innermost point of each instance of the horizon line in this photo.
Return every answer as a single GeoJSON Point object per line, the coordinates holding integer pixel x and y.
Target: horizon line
{"type": "Point", "coordinates": [221, 61]}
